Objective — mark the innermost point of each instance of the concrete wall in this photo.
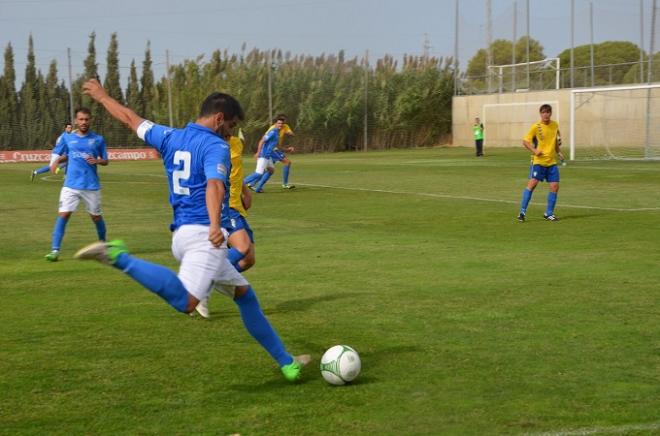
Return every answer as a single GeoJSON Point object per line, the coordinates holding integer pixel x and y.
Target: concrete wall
{"type": "Point", "coordinates": [506, 117]}
{"type": "Point", "coordinates": [611, 122]}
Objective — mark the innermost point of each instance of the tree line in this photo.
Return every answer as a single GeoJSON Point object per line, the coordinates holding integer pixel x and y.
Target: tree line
{"type": "Point", "coordinates": [328, 98]}
{"type": "Point", "coordinates": [615, 63]}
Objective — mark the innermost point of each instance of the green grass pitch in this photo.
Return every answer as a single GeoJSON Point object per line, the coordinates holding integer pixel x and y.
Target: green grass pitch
{"type": "Point", "coordinates": [467, 322]}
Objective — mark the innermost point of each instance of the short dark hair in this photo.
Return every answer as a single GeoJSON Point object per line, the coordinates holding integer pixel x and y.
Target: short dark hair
{"type": "Point", "coordinates": [83, 110]}
{"type": "Point", "coordinates": [545, 108]}
{"type": "Point", "coordinates": [218, 102]}
{"type": "Point", "coordinates": [280, 117]}
{"type": "Point", "coordinates": [68, 124]}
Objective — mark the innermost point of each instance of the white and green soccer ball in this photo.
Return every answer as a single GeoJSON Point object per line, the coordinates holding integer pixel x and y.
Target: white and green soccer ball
{"type": "Point", "coordinates": [340, 365]}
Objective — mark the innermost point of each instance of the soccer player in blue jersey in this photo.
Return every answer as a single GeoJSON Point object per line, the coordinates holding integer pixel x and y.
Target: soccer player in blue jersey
{"type": "Point", "coordinates": [83, 151]}
{"type": "Point", "coordinates": [46, 168]}
{"type": "Point", "coordinates": [278, 154]}
{"type": "Point", "coordinates": [197, 164]}
{"type": "Point", "coordinates": [265, 166]}
{"type": "Point", "coordinates": [543, 140]}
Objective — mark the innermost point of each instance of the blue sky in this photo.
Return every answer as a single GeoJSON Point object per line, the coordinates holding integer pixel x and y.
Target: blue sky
{"type": "Point", "coordinates": [197, 27]}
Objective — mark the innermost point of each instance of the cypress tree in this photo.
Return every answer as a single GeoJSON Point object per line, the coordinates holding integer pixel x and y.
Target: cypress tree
{"type": "Point", "coordinates": [29, 107]}
{"type": "Point", "coordinates": [147, 85]}
{"type": "Point", "coordinates": [54, 105]}
{"type": "Point", "coordinates": [134, 101]}
{"type": "Point", "coordinates": [8, 100]}
{"type": "Point", "coordinates": [115, 133]}
{"type": "Point", "coordinates": [90, 72]}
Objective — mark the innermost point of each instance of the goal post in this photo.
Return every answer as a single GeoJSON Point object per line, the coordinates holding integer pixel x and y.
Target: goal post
{"type": "Point", "coordinates": [543, 75]}
{"type": "Point", "coordinates": [621, 122]}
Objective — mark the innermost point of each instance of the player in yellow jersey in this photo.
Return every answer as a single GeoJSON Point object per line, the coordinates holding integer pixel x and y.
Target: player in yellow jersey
{"type": "Point", "coordinates": [240, 239]}
{"type": "Point", "coordinates": [543, 140]}
{"type": "Point", "coordinates": [270, 150]}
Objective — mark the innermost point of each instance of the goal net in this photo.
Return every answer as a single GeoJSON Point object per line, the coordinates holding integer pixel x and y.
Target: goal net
{"type": "Point", "coordinates": [615, 123]}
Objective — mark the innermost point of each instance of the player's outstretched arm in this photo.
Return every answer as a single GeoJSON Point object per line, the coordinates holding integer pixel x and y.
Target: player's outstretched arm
{"type": "Point", "coordinates": [118, 111]}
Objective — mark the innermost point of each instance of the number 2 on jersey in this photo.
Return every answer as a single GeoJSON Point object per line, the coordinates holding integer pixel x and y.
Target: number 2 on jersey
{"type": "Point", "coordinates": [183, 158]}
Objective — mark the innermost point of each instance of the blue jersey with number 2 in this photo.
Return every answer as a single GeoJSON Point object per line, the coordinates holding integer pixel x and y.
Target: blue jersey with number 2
{"type": "Point", "coordinates": [191, 157]}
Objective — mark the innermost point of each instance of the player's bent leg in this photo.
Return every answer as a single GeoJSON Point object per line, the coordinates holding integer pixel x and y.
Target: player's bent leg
{"type": "Point", "coordinates": [99, 222]}
{"type": "Point", "coordinates": [249, 260]}
{"type": "Point", "coordinates": [262, 181]}
{"type": "Point", "coordinates": [532, 183]}
{"type": "Point", "coordinates": [260, 329]}
{"type": "Point", "coordinates": [549, 214]}
{"type": "Point", "coordinates": [526, 198]}
{"type": "Point", "coordinates": [241, 254]}
{"type": "Point", "coordinates": [156, 278]}
{"type": "Point", "coordinates": [252, 178]}
{"type": "Point", "coordinates": [57, 236]}
{"type": "Point", "coordinates": [285, 174]}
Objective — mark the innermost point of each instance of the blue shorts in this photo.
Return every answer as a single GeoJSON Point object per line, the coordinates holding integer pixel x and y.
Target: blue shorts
{"type": "Point", "coordinates": [541, 173]}
{"type": "Point", "coordinates": [234, 221]}
{"type": "Point", "coordinates": [277, 155]}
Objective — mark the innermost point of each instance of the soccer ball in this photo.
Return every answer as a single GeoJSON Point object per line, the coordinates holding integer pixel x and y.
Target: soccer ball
{"type": "Point", "coordinates": [340, 364]}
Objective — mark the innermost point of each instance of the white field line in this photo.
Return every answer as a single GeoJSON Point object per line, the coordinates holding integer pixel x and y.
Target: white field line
{"type": "Point", "coordinates": [419, 194]}
{"type": "Point", "coordinates": [466, 197]}
{"type": "Point", "coordinates": [620, 429]}
{"type": "Point", "coordinates": [571, 166]}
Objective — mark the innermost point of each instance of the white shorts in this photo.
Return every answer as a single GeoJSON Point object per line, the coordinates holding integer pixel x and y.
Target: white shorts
{"type": "Point", "coordinates": [70, 198]}
{"type": "Point", "coordinates": [204, 267]}
{"type": "Point", "coordinates": [263, 163]}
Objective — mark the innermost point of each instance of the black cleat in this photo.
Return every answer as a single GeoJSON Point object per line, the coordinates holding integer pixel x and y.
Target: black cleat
{"type": "Point", "coordinates": [521, 217]}
{"type": "Point", "coordinates": [550, 217]}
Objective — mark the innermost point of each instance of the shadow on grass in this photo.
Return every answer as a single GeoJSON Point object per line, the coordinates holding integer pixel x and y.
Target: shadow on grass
{"type": "Point", "coordinates": [581, 217]}
{"type": "Point", "coordinates": [303, 304]}
{"type": "Point", "coordinates": [297, 305]}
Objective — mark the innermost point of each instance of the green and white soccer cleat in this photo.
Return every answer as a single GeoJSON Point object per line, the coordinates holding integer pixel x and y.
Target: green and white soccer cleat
{"type": "Point", "coordinates": [53, 256]}
{"type": "Point", "coordinates": [287, 186]}
{"type": "Point", "coordinates": [292, 372]}
{"type": "Point", "coordinates": [104, 252]}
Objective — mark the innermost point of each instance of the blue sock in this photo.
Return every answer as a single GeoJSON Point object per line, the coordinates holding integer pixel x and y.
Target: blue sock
{"type": "Point", "coordinates": [263, 181]}
{"type": "Point", "coordinates": [258, 326]}
{"type": "Point", "coordinates": [42, 170]}
{"type": "Point", "coordinates": [100, 229]}
{"type": "Point", "coordinates": [58, 232]}
{"type": "Point", "coordinates": [527, 196]}
{"type": "Point", "coordinates": [251, 178]}
{"type": "Point", "coordinates": [156, 278]}
{"type": "Point", "coordinates": [234, 257]}
{"type": "Point", "coordinates": [285, 174]}
{"type": "Point", "coordinates": [552, 200]}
